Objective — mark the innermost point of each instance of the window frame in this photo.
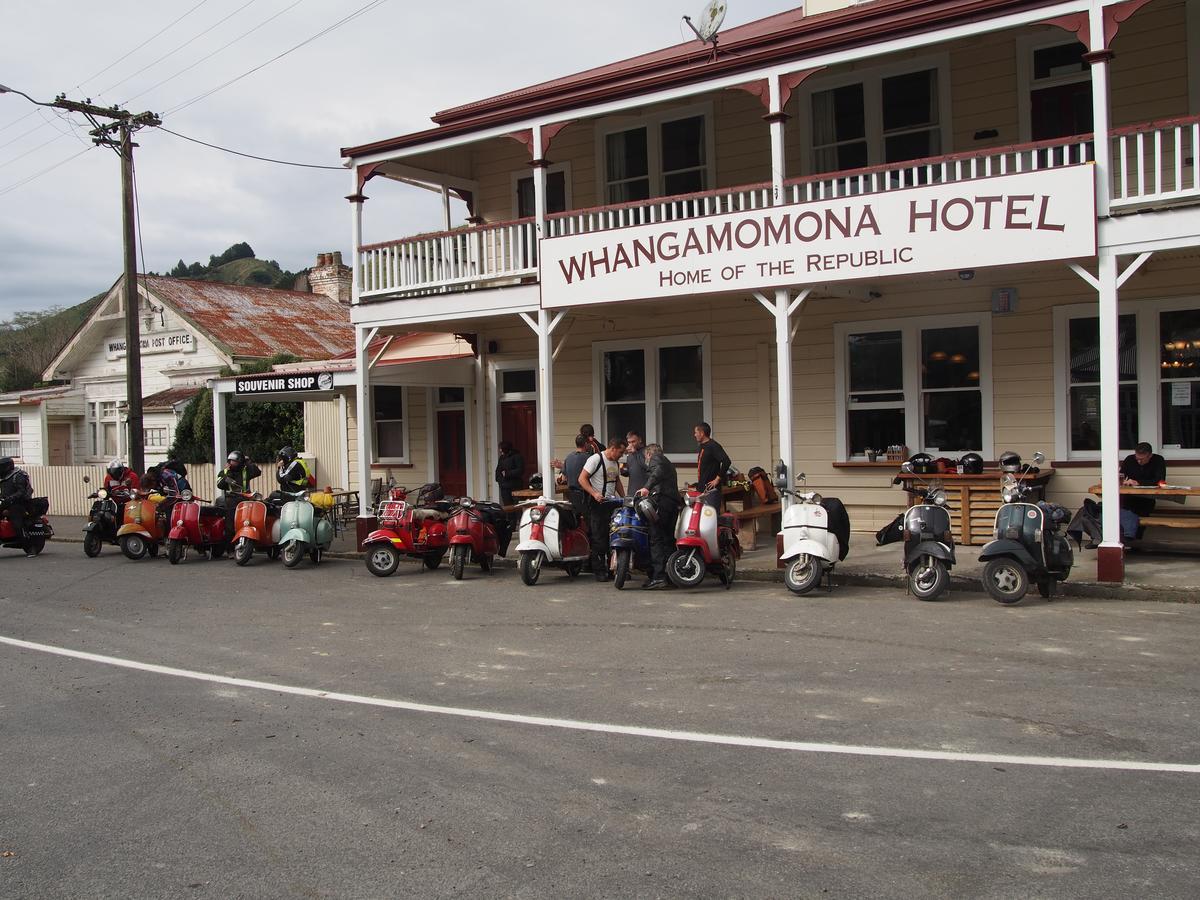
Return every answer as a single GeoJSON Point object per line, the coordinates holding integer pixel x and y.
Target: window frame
{"type": "Point", "coordinates": [95, 422]}
{"type": "Point", "coordinates": [1146, 315]}
{"type": "Point", "coordinates": [156, 448]}
{"type": "Point", "coordinates": [403, 420]}
{"type": "Point", "coordinates": [14, 437]}
{"type": "Point", "coordinates": [650, 347]}
{"type": "Point", "coordinates": [653, 123]}
{"type": "Point", "coordinates": [910, 335]}
{"type": "Point", "coordinates": [517, 177]}
{"type": "Point", "coordinates": [872, 82]}
{"type": "Point", "coordinates": [1027, 46]}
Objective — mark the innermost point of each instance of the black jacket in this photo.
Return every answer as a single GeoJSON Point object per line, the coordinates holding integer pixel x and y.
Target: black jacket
{"type": "Point", "coordinates": [293, 477]}
{"type": "Point", "coordinates": [510, 471]}
{"type": "Point", "coordinates": [16, 488]}
{"type": "Point", "coordinates": [239, 480]}
{"type": "Point", "coordinates": [711, 461]}
{"type": "Point", "coordinates": [662, 482]}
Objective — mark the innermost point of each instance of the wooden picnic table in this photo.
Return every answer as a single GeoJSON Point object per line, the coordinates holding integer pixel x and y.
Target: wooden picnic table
{"type": "Point", "coordinates": [1176, 493]}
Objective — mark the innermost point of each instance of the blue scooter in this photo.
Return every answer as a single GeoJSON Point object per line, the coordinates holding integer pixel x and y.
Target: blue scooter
{"type": "Point", "coordinates": [629, 542]}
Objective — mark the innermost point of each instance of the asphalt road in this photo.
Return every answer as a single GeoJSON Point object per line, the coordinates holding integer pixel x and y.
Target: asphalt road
{"type": "Point", "coordinates": [143, 783]}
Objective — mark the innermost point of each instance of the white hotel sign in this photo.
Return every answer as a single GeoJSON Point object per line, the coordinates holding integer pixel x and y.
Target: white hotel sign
{"type": "Point", "coordinates": [1028, 217]}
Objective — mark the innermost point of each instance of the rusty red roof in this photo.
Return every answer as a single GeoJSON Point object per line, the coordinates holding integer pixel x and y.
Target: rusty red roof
{"type": "Point", "coordinates": [253, 321]}
{"type": "Point", "coordinates": [169, 399]}
{"type": "Point", "coordinates": [772, 40]}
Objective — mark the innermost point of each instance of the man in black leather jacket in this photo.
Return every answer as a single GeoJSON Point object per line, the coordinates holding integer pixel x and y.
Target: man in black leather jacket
{"type": "Point", "coordinates": [662, 486]}
{"type": "Point", "coordinates": [15, 493]}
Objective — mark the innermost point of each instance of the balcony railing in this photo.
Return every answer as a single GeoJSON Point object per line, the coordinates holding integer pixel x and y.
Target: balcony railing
{"type": "Point", "coordinates": [1154, 163]}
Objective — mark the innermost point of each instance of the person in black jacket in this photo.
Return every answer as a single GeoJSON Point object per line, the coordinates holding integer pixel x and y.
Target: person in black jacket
{"type": "Point", "coordinates": [510, 472]}
{"type": "Point", "coordinates": [1142, 468]}
{"type": "Point", "coordinates": [712, 465]}
{"type": "Point", "coordinates": [662, 486]}
{"type": "Point", "coordinates": [235, 478]}
{"type": "Point", "coordinates": [15, 494]}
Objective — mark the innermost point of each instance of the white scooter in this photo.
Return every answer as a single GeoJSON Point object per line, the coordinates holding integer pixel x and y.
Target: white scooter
{"type": "Point", "coordinates": [551, 533]}
{"type": "Point", "coordinates": [812, 543]}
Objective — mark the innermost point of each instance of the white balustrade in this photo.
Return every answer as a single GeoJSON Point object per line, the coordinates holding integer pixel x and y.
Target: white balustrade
{"type": "Point", "coordinates": [660, 209]}
{"type": "Point", "coordinates": [1155, 163]}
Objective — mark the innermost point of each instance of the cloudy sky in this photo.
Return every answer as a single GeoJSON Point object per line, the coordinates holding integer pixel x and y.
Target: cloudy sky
{"type": "Point", "coordinates": [379, 75]}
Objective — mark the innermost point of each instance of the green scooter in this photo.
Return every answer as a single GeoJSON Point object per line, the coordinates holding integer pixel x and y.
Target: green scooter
{"type": "Point", "coordinates": [302, 531]}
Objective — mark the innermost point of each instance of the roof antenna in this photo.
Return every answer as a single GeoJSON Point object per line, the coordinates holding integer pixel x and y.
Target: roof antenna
{"type": "Point", "coordinates": [711, 18]}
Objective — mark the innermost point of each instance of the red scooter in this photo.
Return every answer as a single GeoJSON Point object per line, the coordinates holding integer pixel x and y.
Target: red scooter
{"type": "Point", "coordinates": [256, 526]}
{"type": "Point", "coordinates": [31, 536]}
{"type": "Point", "coordinates": [477, 532]}
{"type": "Point", "coordinates": [193, 524]}
{"type": "Point", "coordinates": [416, 530]}
{"type": "Point", "coordinates": [705, 541]}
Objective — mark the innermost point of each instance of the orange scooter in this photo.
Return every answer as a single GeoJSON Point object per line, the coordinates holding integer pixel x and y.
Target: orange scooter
{"type": "Point", "coordinates": [256, 526]}
{"type": "Point", "coordinates": [142, 530]}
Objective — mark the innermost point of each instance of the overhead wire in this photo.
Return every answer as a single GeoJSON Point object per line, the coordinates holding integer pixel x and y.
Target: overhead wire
{"type": "Point", "coordinates": [281, 162]}
{"type": "Point", "coordinates": [362, 10]}
{"type": "Point", "coordinates": [24, 181]}
{"type": "Point", "coordinates": [141, 45]}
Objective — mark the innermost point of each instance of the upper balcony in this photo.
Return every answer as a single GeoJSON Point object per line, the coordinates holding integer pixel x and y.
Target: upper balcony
{"type": "Point", "coordinates": [1153, 165]}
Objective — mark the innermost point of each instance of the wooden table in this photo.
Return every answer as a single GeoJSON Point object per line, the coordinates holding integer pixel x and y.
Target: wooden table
{"type": "Point", "coordinates": [1179, 518]}
{"type": "Point", "coordinates": [972, 500]}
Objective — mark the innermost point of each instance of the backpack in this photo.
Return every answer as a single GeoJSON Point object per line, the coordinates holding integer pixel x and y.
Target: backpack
{"type": "Point", "coordinates": [763, 486]}
{"type": "Point", "coordinates": [312, 479]}
{"type": "Point", "coordinates": [890, 533]}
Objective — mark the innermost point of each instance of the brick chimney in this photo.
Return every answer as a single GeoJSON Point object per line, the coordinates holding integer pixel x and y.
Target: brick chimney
{"type": "Point", "coordinates": [331, 278]}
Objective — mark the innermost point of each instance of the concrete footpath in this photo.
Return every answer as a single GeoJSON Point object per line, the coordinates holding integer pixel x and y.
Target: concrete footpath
{"type": "Point", "coordinates": [1161, 570]}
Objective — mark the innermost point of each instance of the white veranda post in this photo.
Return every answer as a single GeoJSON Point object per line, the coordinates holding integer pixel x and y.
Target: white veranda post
{"type": "Point", "coordinates": [363, 418]}
{"type": "Point", "coordinates": [782, 308]}
{"type": "Point", "coordinates": [219, 427]}
{"type": "Point", "coordinates": [543, 326]}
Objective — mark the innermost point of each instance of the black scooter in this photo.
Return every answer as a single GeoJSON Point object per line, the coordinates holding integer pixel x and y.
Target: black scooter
{"type": "Point", "coordinates": [928, 542]}
{"type": "Point", "coordinates": [1028, 544]}
{"type": "Point", "coordinates": [103, 520]}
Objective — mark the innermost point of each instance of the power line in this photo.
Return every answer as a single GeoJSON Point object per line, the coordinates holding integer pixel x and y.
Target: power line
{"type": "Point", "coordinates": [362, 10]}
{"type": "Point", "coordinates": [25, 181]}
{"type": "Point", "coordinates": [171, 53]}
{"type": "Point", "coordinates": [281, 162]}
{"type": "Point", "coordinates": [209, 56]}
{"type": "Point", "coordinates": [141, 45]}
{"type": "Point", "coordinates": [21, 156]}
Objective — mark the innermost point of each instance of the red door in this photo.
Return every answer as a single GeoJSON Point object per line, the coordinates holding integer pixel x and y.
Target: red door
{"type": "Point", "coordinates": [518, 424]}
{"type": "Point", "coordinates": [452, 451]}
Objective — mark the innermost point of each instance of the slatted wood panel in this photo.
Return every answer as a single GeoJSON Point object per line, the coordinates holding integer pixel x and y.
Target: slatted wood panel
{"type": "Point", "coordinates": [972, 504]}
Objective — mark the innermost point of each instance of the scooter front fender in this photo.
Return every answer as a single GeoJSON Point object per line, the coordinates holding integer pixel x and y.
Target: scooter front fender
{"type": "Point", "coordinates": [936, 549]}
{"type": "Point", "coordinates": [536, 545]}
{"type": "Point", "coordinates": [178, 533]}
{"type": "Point", "coordinates": [248, 531]}
{"type": "Point", "coordinates": [457, 540]}
{"type": "Point", "coordinates": [296, 534]}
{"type": "Point", "coordinates": [132, 529]}
{"type": "Point", "coordinates": [1009, 548]}
{"type": "Point", "coordinates": [698, 545]}
{"type": "Point", "coordinates": [796, 547]}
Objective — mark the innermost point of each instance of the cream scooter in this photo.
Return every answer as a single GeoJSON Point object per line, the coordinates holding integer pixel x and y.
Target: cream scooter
{"type": "Point", "coordinates": [816, 537]}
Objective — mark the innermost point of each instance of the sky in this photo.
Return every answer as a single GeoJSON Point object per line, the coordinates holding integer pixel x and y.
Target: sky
{"type": "Point", "coordinates": [381, 74]}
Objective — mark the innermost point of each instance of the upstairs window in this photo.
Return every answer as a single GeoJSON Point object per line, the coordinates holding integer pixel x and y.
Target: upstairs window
{"type": "Point", "coordinates": [556, 193]}
{"type": "Point", "coordinates": [666, 156]}
{"type": "Point", "coordinates": [1060, 92]}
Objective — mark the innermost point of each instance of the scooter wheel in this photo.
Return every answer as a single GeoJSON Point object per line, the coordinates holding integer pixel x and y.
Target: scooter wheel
{"type": "Point", "coordinates": [728, 568]}
{"type": "Point", "coordinates": [485, 562]}
{"type": "Point", "coordinates": [433, 560]}
{"type": "Point", "coordinates": [573, 570]}
{"type": "Point", "coordinates": [686, 568]}
{"type": "Point", "coordinates": [91, 545]}
{"type": "Point", "coordinates": [621, 569]}
{"type": "Point", "coordinates": [928, 578]}
{"type": "Point", "coordinates": [529, 564]}
{"type": "Point", "coordinates": [316, 555]}
{"type": "Point", "coordinates": [34, 546]}
{"type": "Point", "coordinates": [244, 551]}
{"type": "Point", "coordinates": [133, 546]}
{"type": "Point", "coordinates": [175, 551]}
{"type": "Point", "coordinates": [382, 560]}
{"type": "Point", "coordinates": [1006, 581]}
{"type": "Point", "coordinates": [802, 574]}
{"type": "Point", "coordinates": [458, 561]}
{"type": "Point", "coordinates": [293, 553]}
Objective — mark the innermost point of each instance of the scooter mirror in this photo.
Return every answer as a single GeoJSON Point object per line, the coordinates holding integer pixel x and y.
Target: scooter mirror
{"type": "Point", "coordinates": [1039, 458]}
{"type": "Point", "coordinates": [906, 467]}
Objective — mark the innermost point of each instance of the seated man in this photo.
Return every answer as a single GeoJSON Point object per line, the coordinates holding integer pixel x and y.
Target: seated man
{"type": "Point", "coordinates": [1143, 468]}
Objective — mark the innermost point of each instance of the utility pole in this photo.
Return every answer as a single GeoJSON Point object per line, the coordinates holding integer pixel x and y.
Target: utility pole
{"type": "Point", "coordinates": [117, 133]}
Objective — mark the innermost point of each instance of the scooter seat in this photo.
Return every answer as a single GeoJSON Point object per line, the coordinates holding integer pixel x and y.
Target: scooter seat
{"type": "Point", "coordinates": [727, 520]}
{"type": "Point", "coordinates": [436, 515]}
{"type": "Point", "coordinates": [211, 511]}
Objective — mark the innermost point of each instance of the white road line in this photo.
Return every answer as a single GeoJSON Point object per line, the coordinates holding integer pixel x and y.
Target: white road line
{"type": "Point", "coordinates": [695, 737]}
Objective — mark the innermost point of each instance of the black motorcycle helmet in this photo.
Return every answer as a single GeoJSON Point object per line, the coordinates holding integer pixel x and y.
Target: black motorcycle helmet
{"type": "Point", "coordinates": [971, 463]}
{"type": "Point", "coordinates": [7, 466]}
{"type": "Point", "coordinates": [535, 482]}
{"type": "Point", "coordinates": [286, 455]}
{"type": "Point", "coordinates": [236, 459]}
{"type": "Point", "coordinates": [647, 509]}
{"type": "Point", "coordinates": [922, 464]}
{"type": "Point", "coordinates": [1010, 461]}
{"type": "Point", "coordinates": [116, 470]}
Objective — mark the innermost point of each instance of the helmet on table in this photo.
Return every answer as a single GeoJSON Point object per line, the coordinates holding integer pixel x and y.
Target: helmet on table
{"type": "Point", "coordinates": [1010, 461]}
{"type": "Point", "coordinates": [535, 482]}
{"type": "Point", "coordinates": [972, 464]}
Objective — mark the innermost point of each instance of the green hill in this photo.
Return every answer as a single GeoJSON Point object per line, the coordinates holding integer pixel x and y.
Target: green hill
{"type": "Point", "coordinates": [30, 340]}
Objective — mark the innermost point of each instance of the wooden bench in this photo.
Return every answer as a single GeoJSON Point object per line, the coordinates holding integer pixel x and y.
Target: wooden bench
{"type": "Point", "coordinates": [1180, 518]}
{"type": "Point", "coordinates": [748, 522]}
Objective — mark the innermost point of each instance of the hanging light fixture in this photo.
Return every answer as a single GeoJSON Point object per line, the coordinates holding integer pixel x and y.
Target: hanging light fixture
{"type": "Point", "coordinates": [938, 356]}
{"type": "Point", "coordinates": [958, 358]}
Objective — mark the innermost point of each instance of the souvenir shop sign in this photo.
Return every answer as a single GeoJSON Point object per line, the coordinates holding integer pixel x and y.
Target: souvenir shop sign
{"type": "Point", "coordinates": [284, 384]}
{"type": "Point", "coordinates": [1008, 219]}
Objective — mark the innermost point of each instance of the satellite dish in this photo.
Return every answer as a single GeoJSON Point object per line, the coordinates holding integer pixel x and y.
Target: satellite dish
{"type": "Point", "coordinates": [710, 19]}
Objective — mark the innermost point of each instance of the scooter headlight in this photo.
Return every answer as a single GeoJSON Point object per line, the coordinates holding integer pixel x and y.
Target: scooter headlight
{"type": "Point", "coordinates": [466, 503]}
{"type": "Point", "coordinates": [185, 495]}
{"type": "Point", "coordinates": [938, 498]}
{"type": "Point", "coordinates": [102, 494]}
{"type": "Point", "coordinates": [1009, 493]}
{"type": "Point", "coordinates": [537, 515]}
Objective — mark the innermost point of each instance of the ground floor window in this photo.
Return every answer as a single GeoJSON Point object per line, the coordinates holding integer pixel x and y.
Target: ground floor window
{"type": "Point", "coordinates": [103, 429]}
{"type": "Point", "coordinates": [10, 435]}
{"type": "Point", "coordinates": [658, 387]}
{"type": "Point", "coordinates": [391, 430]}
{"type": "Point", "coordinates": [156, 439]}
{"type": "Point", "coordinates": [1158, 367]}
{"type": "Point", "coordinates": [916, 383]}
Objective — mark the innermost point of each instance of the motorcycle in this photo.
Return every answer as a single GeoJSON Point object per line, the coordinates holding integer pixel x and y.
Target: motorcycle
{"type": "Point", "coordinates": [477, 532]}
{"type": "Point", "coordinates": [142, 529]}
{"type": "Point", "coordinates": [928, 542]}
{"type": "Point", "coordinates": [416, 530]}
{"type": "Point", "coordinates": [103, 518]}
{"type": "Point", "coordinates": [815, 537]}
{"type": "Point", "coordinates": [302, 530]}
{"type": "Point", "coordinates": [193, 524]}
{"type": "Point", "coordinates": [629, 542]}
{"type": "Point", "coordinates": [256, 526]}
{"type": "Point", "coordinates": [551, 533]}
{"type": "Point", "coordinates": [705, 542]}
{"type": "Point", "coordinates": [30, 535]}
{"type": "Point", "coordinates": [1027, 542]}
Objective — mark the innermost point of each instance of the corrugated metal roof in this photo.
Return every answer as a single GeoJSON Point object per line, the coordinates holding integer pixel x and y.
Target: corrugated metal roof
{"type": "Point", "coordinates": [169, 399]}
{"type": "Point", "coordinates": [260, 321]}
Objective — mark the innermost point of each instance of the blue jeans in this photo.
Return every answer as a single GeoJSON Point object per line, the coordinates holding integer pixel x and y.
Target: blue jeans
{"type": "Point", "coordinates": [1129, 524]}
